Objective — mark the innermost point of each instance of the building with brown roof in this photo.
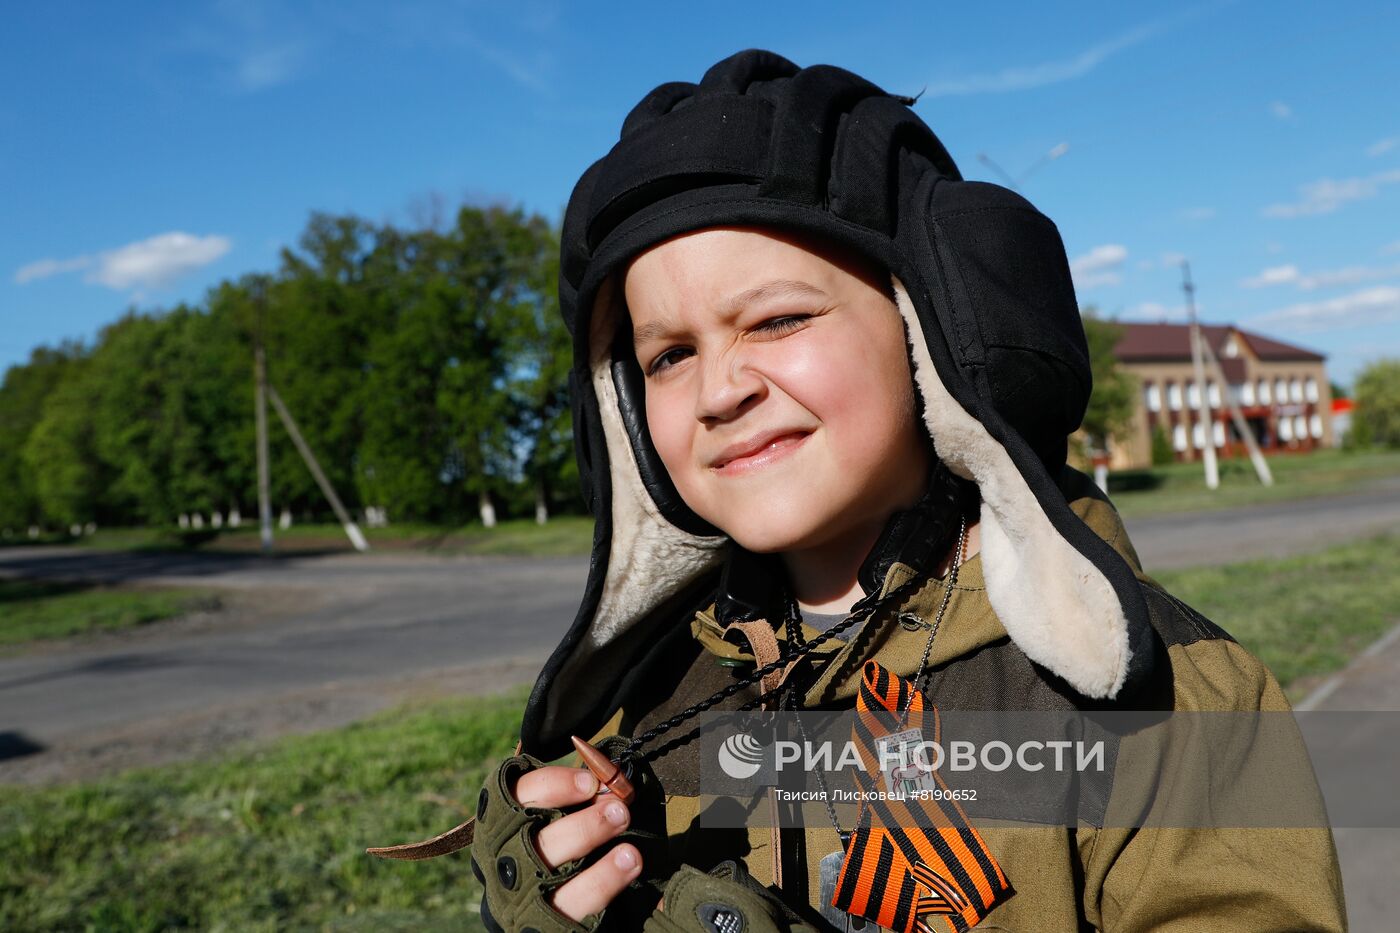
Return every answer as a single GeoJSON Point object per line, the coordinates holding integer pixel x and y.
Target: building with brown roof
{"type": "Point", "coordinates": [1282, 391]}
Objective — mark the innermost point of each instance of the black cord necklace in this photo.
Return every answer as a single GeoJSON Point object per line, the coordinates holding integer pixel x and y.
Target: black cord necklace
{"type": "Point", "coordinates": [796, 648]}
{"type": "Point", "coordinates": [862, 611]}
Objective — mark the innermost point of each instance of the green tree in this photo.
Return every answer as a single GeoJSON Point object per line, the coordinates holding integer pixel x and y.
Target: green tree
{"type": "Point", "coordinates": [1114, 398]}
{"type": "Point", "coordinates": [69, 481]}
{"type": "Point", "coordinates": [22, 396]}
{"type": "Point", "coordinates": [1162, 450]}
{"type": "Point", "coordinates": [1376, 419]}
{"type": "Point", "coordinates": [426, 368]}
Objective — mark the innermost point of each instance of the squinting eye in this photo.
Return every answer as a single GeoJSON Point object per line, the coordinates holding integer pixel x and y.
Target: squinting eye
{"type": "Point", "coordinates": [783, 325]}
{"type": "Point", "coordinates": [660, 362]}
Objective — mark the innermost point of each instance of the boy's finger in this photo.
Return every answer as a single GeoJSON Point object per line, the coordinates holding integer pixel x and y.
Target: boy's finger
{"type": "Point", "coordinates": [578, 834]}
{"type": "Point", "coordinates": [593, 889]}
{"type": "Point", "coordinates": [555, 786]}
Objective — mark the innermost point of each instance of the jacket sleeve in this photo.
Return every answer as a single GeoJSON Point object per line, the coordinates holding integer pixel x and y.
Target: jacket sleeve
{"type": "Point", "coordinates": [1175, 876]}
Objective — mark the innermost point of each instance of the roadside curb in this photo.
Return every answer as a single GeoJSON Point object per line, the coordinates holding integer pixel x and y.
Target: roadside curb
{"type": "Point", "coordinates": [1330, 685]}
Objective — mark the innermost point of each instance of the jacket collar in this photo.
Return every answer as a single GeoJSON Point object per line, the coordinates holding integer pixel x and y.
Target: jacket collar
{"type": "Point", "coordinates": [969, 622]}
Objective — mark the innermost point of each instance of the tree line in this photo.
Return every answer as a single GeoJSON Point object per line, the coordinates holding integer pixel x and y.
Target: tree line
{"type": "Point", "coordinates": [426, 368]}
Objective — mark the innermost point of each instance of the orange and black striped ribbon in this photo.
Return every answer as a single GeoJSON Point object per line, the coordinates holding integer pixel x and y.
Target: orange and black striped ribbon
{"type": "Point", "coordinates": [914, 865]}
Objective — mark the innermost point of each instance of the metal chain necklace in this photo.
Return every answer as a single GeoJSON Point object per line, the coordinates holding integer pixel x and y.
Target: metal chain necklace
{"type": "Point", "coordinates": [794, 704]}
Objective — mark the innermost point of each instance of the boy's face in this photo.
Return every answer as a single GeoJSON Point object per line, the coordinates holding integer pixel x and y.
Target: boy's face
{"type": "Point", "coordinates": [778, 389]}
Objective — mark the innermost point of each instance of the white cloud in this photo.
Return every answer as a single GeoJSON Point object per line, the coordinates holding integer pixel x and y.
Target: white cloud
{"type": "Point", "coordinates": [150, 263]}
{"type": "Point", "coordinates": [1326, 195]}
{"type": "Point", "coordinates": [1382, 146]}
{"type": "Point", "coordinates": [1020, 78]}
{"type": "Point", "coordinates": [1280, 110]}
{"type": "Point", "coordinates": [47, 267]}
{"type": "Point", "coordinates": [1391, 248]}
{"type": "Point", "coordinates": [1274, 275]}
{"type": "Point", "coordinates": [1172, 260]}
{"type": "Point", "coordinates": [1198, 213]}
{"type": "Point", "coordinates": [1290, 275]}
{"type": "Point", "coordinates": [1155, 312]}
{"type": "Point", "coordinates": [1351, 275]}
{"type": "Point", "coordinates": [1376, 305]}
{"type": "Point", "coordinates": [1145, 264]}
{"type": "Point", "coordinates": [261, 68]}
{"type": "Point", "coordinates": [1099, 266]}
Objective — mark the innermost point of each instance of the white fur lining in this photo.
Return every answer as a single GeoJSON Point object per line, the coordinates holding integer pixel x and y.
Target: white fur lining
{"type": "Point", "coordinates": [1055, 604]}
{"type": "Point", "coordinates": [649, 559]}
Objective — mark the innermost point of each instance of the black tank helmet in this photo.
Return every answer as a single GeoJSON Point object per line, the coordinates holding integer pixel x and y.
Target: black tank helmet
{"type": "Point", "coordinates": [996, 343]}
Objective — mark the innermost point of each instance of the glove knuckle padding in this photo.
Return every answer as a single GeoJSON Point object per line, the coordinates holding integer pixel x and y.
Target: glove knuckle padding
{"type": "Point", "coordinates": [516, 881]}
{"type": "Point", "coordinates": [727, 900]}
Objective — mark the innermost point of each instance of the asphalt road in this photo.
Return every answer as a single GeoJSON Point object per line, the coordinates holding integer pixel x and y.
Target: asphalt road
{"type": "Point", "coordinates": [312, 642]}
{"type": "Point", "coordinates": [307, 642]}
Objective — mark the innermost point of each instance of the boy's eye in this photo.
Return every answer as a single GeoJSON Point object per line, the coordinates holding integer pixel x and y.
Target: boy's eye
{"type": "Point", "coordinates": [782, 325]}
{"type": "Point", "coordinates": [666, 359]}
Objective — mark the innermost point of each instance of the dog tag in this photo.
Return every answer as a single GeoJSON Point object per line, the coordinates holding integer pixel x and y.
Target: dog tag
{"type": "Point", "coordinates": [906, 760]}
{"type": "Point", "coordinates": [829, 871]}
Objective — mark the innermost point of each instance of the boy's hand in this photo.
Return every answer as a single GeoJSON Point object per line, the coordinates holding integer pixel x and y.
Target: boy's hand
{"type": "Point", "coordinates": [577, 834]}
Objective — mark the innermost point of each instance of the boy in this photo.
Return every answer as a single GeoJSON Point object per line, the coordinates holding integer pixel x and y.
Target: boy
{"type": "Point", "coordinates": [818, 374]}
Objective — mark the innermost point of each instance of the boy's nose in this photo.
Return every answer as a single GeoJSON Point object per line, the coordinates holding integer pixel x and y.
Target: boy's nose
{"type": "Point", "coordinates": [728, 388]}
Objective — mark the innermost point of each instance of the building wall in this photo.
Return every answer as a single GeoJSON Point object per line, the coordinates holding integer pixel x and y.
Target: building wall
{"type": "Point", "coordinates": [1302, 421]}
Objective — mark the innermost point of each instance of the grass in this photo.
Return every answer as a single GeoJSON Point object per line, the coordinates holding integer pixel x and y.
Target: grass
{"type": "Point", "coordinates": [562, 536]}
{"type": "Point", "coordinates": [1304, 616]}
{"type": "Point", "coordinates": [31, 610]}
{"type": "Point", "coordinates": [1180, 487]}
{"type": "Point", "coordinates": [266, 838]}
{"type": "Point", "coordinates": [271, 837]}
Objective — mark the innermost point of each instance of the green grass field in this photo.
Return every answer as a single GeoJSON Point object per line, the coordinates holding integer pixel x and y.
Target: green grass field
{"type": "Point", "coordinates": [1305, 616]}
{"type": "Point", "coordinates": [31, 610]}
{"type": "Point", "coordinates": [271, 837]}
{"type": "Point", "coordinates": [564, 535]}
{"type": "Point", "coordinates": [1181, 487]}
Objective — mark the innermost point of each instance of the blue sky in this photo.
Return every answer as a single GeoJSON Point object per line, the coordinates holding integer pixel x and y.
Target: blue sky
{"type": "Point", "coordinates": [148, 151]}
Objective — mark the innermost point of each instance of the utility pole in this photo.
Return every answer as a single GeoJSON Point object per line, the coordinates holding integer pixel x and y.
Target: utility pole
{"type": "Point", "coordinates": [1203, 402]}
{"type": "Point", "coordinates": [1015, 183]}
{"type": "Point", "coordinates": [352, 531]}
{"type": "Point", "coordinates": [1255, 455]}
{"type": "Point", "coordinates": [260, 416]}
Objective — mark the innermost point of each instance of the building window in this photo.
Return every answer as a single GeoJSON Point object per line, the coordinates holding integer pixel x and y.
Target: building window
{"type": "Point", "coordinates": [1264, 392]}
{"type": "Point", "coordinates": [1285, 429]}
{"type": "Point", "coordinates": [1300, 426]}
{"type": "Point", "coordinates": [1280, 390]}
{"type": "Point", "coordinates": [1198, 435]}
{"type": "Point", "coordinates": [1310, 388]}
{"type": "Point", "coordinates": [1315, 422]}
{"type": "Point", "coordinates": [1295, 389]}
{"type": "Point", "coordinates": [1152, 397]}
{"type": "Point", "coordinates": [1232, 349]}
{"type": "Point", "coordinates": [1213, 393]}
{"type": "Point", "coordinates": [1247, 393]}
{"type": "Point", "coordinates": [1174, 396]}
{"type": "Point", "coordinates": [1217, 433]}
{"type": "Point", "coordinates": [1193, 395]}
{"type": "Point", "coordinates": [1179, 436]}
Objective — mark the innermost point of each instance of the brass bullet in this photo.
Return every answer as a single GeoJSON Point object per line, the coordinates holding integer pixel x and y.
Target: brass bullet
{"type": "Point", "coordinates": [606, 771]}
